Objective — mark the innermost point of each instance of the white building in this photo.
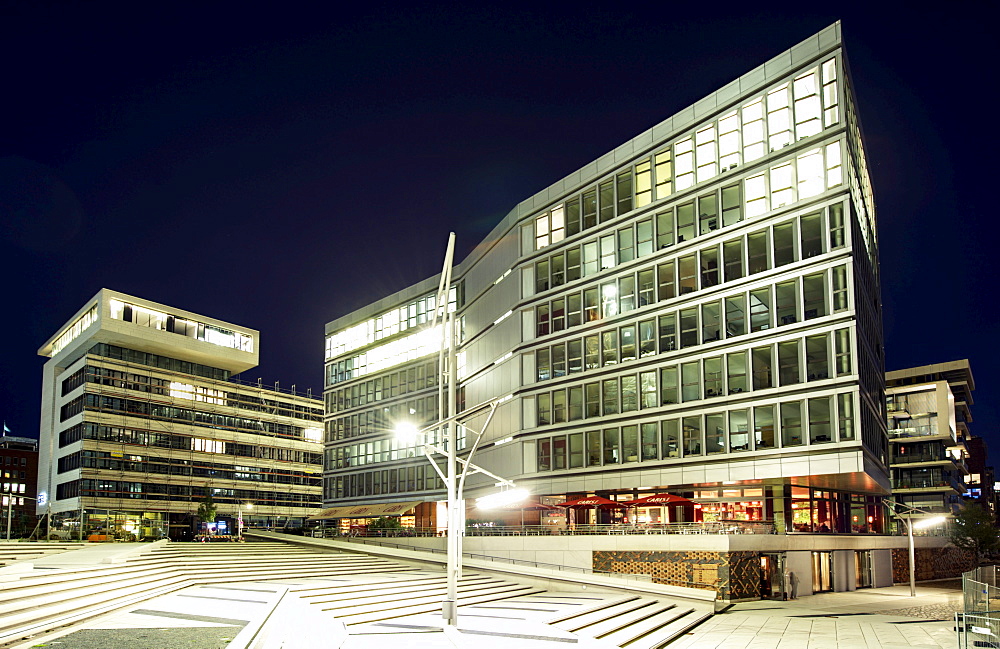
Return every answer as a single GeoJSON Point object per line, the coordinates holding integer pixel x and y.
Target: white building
{"type": "Point", "coordinates": [141, 419]}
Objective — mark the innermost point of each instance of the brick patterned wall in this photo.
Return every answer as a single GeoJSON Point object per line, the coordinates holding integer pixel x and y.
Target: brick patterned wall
{"type": "Point", "coordinates": [931, 563]}
{"type": "Point", "coordinates": [736, 573]}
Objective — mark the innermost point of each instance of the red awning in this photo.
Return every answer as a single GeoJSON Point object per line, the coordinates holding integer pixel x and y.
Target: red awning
{"type": "Point", "coordinates": [659, 499]}
{"type": "Point", "coordinates": [591, 502]}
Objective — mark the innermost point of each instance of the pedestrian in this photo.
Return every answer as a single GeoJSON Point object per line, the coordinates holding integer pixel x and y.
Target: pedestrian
{"type": "Point", "coordinates": [793, 583]}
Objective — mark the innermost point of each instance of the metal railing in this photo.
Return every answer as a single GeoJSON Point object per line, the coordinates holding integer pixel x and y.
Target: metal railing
{"type": "Point", "coordinates": [714, 527]}
{"type": "Point", "coordinates": [979, 623]}
{"type": "Point", "coordinates": [715, 586]}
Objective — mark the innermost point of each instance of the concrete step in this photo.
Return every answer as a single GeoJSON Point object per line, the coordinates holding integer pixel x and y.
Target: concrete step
{"type": "Point", "coordinates": [640, 610]}
{"type": "Point", "coordinates": [385, 593]}
{"type": "Point", "coordinates": [600, 613]}
{"type": "Point", "coordinates": [664, 635]}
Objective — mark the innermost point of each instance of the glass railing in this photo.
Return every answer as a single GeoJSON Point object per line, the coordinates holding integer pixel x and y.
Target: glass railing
{"type": "Point", "coordinates": [915, 431]}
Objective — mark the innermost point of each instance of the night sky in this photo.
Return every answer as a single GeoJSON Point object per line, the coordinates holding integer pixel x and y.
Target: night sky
{"type": "Point", "coordinates": [279, 166]}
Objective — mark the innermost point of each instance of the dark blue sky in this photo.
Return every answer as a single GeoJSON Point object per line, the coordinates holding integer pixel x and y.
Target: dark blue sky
{"type": "Point", "coordinates": [278, 166]}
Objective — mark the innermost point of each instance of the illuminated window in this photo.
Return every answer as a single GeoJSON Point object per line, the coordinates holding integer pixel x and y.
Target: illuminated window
{"type": "Point", "coordinates": [684, 162]}
{"type": "Point", "coordinates": [74, 330]}
{"type": "Point", "coordinates": [706, 153]}
{"type": "Point", "coordinates": [834, 170]}
{"type": "Point", "coordinates": [207, 445]}
{"type": "Point", "coordinates": [779, 123]}
{"type": "Point", "coordinates": [729, 142]}
{"type": "Point", "coordinates": [755, 195]}
{"type": "Point", "coordinates": [753, 130]}
{"type": "Point", "coordinates": [807, 105]}
{"type": "Point", "coordinates": [781, 186]}
{"type": "Point", "coordinates": [664, 174]}
{"type": "Point", "coordinates": [643, 184]}
{"type": "Point", "coordinates": [831, 111]}
{"type": "Point", "coordinates": [809, 168]}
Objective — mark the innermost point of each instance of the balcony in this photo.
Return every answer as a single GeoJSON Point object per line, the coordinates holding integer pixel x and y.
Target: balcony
{"type": "Point", "coordinates": [928, 430]}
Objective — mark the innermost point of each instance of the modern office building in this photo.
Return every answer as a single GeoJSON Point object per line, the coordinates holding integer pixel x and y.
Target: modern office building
{"type": "Point", "coordinates": [695, 312]}
{"type": "Point", "coordinates": [928, 422]}
{"type": "Point", "coordinates": [19, 470]}
{"type": "Point", "coordinates": [142, 419]}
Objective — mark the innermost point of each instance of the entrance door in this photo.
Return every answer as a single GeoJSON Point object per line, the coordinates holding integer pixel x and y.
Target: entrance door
{"type": "Point", "coordinates": [822, 570]}
{"type": "Point", "coordinates": [863, 569]}
{"type": "Point", "coordinates": [772, 569]}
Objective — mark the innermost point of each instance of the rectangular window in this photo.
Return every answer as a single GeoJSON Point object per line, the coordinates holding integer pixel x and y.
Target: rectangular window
{"type": "Point", "coordinates": [788, 363]}
{"type": "Point", "coordinates": [668, 333]}
{"type": "Point", "coordinates": [542, 321]}
{"type": "Point", "coordinates": [779, 119]}
{"type": "Point", "coordinates": [817, 357]}
{"type": "Point", "coordinates": [690, 381]}
{"type": "Point", "coordinates": [606, 193]}
{"type": "Point", "coordinates": [647, 390]}
{"type": "Point", "coordinates": [607, 252]}
{"type": "Point", "coordinates": [591, 306]}
{"type": "Point", "coordinates": [630, 393]}
{"type": "Point", "coordinates": [543, 408]}
{"type": "Point", "coordinates": [729, 142]}
{"type": "Point", "coordinates": [814, 296]}
{"type": "Point", "coordinates": [665, 229]}
{"type": "Point", "coordinates": [626, 293]}
{"type": "Point", "coordinates": [647, 338]}
{"type": "Point", "coordinates": [837, 239]}
{"type": "Point", "coordinates": [786, 301]}
{"type": "Point", "coordinates": [612, 444]}
{"type": "Point", "coordinates": [736, 372]}
{"type": "Point", "coordinates": [706, 152]}
{"type": "Point", "coordinates": [592, 352]}
{"type": "Point", "coordinates": [664, 173]}
{"type": "Point", "coordinates": [810, 174]}
{"type": "Point", "coordinates": [644, 237]}
{"type": "Point", "coordinates": [834, 167]}
{"type": "Point", "coordinates": [643, 184]}
{"type": "Point", "coordinates": [784, 244]}
{"type": "Point", "coordinates": [688, 279]}
{"type": "Point", "coordinates": [558, 406]}
{"type": "Point", "coordinates": [708, 213]}
{"type": "Point", "coordinates": [647, 287]}
{"type": "Point", "coordinates": [709, 267]}
{"type": "Point", "coordinates": [574, 312]}
{"type": "Point", "coordinates": [592, 395]}
{"type": "Point", "coordinates": [576, 451]}
{"type": "Point", "coordinates": [574, 353]}
{"type": "Point", "coordinates": [668, 385]}
{"type": "Point", "coordinates": [593, 448]}
{"type": "Point", "coordinates": [589, 209]}
{"type": "Point", "coordinates": [670, 438]}
{"type": "Point", "coordinates": [558, 314]}
{"type": "Point", "coordinates": [572, 217]}
{"type": "Point", "coordinates": [630, 443]}
{"type": "Point", "coordinates": [626, 245]}
{"type": "Point", "coordinates": [689, 328]}
{"type": "Point", "coordinates": [757, 252]}
{"type": "Point", "coordinates": [732, 253]}
{"type": "Point", "coordinates": [732, 206]}
{"type": "Point", "coordinates": [807, 104]}
{"type": "Point", "coordinates": [763, 426]}
{"type": "Point", "coordinates": [623, 187]}
{"type": "Point", "coordinates": [843, 351]}
{"type": "Point", "coordinates": [648, 441]}
{"type": "Point", "coordinates": [576, 403]}
{"type": "Point", "coordinates": [666, 282]}
{"type": "Point", "coordinates": [558, 269]}
{"type": "Point", "coordinates": [753, 130]}
{"type": "Point", "coordinates": [684, 164]}
{"type": "Point", "coordinates": [685, 222]}
{"type": "Point", "coordinates": [628, 343]}
{"type": "Point", "coordinates": [713, 377]}
{"type": "Point", "coordinates": [715, 433]}
{"type": "Point", "coordinates": [845, 412]}
{"type": "Point", "coordinates": [839, 288]}
{"type": "Point", "coordinates": [609, 347]}
{"type": "Point", "coordinates": [782, 192]}
{"type": "Point", "coordinates": [736, 315]}
{"type": "Point", "coordinates": [791, 424]}
{"type": "Point", "coordinates": [573, 264]}
{"type": "Point", "coordinates": [711, 325]}
{"type": "Point", "coordinates": [591, 260]}
{"type": "Point", "coordinates": [543, 365]}
{"type": "Point", "coordinates": [820, 430]}
{"type": "Point", "coordinates": [755, 195]}
{"type": "Point", "coordinates": [763, 365]}
{"type": "Point", "coordinates": [558, 360]}
{"type": "Point", "coordinates": [559, 452]}
{"type": "Point", "coordinates": [609, 390]}
{"type": "Point", "coordinates": [760, 309]}
{"type": "Point", "coordinates": [692, 435]}
{"type": "Point", "coordinates": [739, 434]}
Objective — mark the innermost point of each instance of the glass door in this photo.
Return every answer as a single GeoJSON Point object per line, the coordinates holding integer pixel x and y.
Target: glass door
{"type": "Point", "coordinates": [822, 572]}
{"type": "Point", "coordinates": [772, 570]}
{"type": "Point", "coordinates": [863, 569]}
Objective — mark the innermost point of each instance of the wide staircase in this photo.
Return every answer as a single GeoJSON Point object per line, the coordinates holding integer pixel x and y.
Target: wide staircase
{"type": "Point", "coordinates": [11, 553]}
{"type": "Point", "coordinates": [358, 593]}
{"type": "Point", "coordinates": [58, 591]}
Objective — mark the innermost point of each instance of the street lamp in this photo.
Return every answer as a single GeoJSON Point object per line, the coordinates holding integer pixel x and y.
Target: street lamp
{"type": "Point", "coordinates": [910, 526]}
{"type": "Point", "coordinates": [455, 486]}
{"type": "Point", "coordinates": [239, 520]}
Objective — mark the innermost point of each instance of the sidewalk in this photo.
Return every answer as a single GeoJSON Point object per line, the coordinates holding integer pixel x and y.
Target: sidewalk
{"type": "Point", "coordinates": [872, 618]}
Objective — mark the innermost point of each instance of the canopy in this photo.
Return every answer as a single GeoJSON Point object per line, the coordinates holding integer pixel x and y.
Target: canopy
{"type": "Point", "coordinates": [366, 511]}
{"type": "Point", "coordinates": [659, 499]}
{"type": "Point", "coordinates": [590, 502]}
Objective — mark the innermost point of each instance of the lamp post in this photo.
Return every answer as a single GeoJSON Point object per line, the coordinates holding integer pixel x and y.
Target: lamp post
{"type": "Point", "coordinates": [910, 525]}
{"type": "Point", "coordinates": [239, 520]}
{"type": "Point", "coordinates": [455, 487]}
